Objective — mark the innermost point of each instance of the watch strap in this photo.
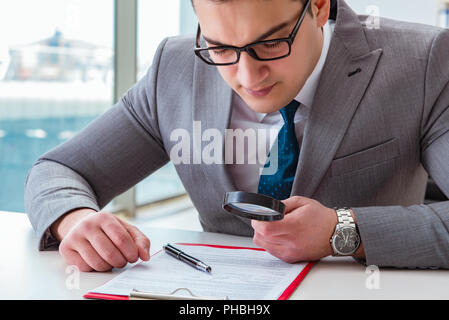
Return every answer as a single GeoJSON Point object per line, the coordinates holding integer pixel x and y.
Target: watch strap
{"type": "Point", "coordinates": [344, 217]}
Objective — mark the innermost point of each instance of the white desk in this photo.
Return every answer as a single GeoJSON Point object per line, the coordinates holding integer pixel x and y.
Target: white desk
{"type": "Point", "coordinates": [26, 273]}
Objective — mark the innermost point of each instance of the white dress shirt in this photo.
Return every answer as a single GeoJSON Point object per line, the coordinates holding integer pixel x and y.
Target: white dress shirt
{"type": "Point", "coordinates": [246, 175]}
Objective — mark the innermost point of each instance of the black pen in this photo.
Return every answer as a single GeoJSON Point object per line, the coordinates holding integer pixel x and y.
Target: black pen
{"type": "Point", "coordinates": [184, 257]}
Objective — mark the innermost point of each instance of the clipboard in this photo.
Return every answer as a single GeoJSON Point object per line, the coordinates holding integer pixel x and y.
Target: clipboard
{"type": "Point", "coordinates": [140, 295]}
{"type": "Point", "coordinates": [135, 294]}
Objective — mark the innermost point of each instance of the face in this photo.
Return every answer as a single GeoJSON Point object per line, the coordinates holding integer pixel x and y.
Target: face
{"type": "Point", "coordinates": [266, 86]}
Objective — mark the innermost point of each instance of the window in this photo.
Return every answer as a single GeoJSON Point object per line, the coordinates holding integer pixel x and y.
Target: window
{"type": "Point", "coordinates": [156, 21]}
{"type": "Point", "coordinates": [56, 75]}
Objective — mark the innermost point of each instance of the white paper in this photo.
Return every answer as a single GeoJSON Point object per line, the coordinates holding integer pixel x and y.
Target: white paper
{"type": "Point", "coordinates": [238, 274]}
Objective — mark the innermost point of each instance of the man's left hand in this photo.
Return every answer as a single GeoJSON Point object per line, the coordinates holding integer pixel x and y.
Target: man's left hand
{"type": "Point", "coordinates": [303, 234]}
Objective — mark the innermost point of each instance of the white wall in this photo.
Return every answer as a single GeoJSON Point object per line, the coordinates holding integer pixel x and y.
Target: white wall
{"type": "Point", "coordinates": [421, 11]}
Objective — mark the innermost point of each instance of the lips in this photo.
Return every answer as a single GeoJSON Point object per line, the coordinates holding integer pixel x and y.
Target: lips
{"type": "Point", "coordinates": [260, 93]}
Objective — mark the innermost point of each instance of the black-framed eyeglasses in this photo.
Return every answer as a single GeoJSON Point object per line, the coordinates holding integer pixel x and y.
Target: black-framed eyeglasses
{"type": "Point", "coordinates": [265, 50]}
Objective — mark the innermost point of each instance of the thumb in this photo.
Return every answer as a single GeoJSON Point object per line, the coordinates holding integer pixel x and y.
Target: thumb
{"type": "Point", "coordinates": [295, 202]}
{"type": "Point", "coordinates": [142, 242]}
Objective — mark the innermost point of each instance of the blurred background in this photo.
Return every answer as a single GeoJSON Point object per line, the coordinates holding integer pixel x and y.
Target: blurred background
{"type": "Point", "coordinates": [65, 62]}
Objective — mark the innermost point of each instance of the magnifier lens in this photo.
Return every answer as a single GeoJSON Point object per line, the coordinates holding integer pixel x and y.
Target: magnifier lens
{"type": "Point", "coordinates": [253, 206]}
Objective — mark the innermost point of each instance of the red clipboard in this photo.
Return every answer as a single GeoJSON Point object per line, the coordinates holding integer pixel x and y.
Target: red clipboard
{"type": "Point", "coordinates": [284, 296]}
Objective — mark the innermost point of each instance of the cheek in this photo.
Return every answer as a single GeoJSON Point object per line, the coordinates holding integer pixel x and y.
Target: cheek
{"type": "Point", "coordinates": [287, 72]}
{"type": "Point", "coordinates": [228, 73]}
{"type": "Point", "coordinates": [295, 69]}
{"type": "Point", "coordinates": [300, 58]}
{"type": "Point", "coordinates": [307, 51]}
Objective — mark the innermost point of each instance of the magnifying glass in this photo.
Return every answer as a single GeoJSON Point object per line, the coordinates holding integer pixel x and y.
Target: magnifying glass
{"type": "Point", "coordinates": [253, 206]}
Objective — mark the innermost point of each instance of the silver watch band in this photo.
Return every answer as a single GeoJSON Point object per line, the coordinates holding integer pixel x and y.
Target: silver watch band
{"type": "Point", "coordinates": [344, 217]}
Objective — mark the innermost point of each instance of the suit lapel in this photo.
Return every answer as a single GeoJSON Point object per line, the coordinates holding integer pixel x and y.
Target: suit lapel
{"type": "Point", "coordinates": [212, 99]}
{"type": "Point", "coordinates": [336, 100]}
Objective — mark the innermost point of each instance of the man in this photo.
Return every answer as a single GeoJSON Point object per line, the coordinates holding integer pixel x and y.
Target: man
{"type": "Point", "coordinates": [362, 116]}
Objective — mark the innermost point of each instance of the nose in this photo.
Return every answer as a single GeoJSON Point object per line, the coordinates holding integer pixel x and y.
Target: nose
{"type": "Point", "coordinates": [251, 73]}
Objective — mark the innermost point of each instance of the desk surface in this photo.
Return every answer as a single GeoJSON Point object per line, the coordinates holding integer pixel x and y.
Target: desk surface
{"type": "Point", "coordinates": [26, 273]}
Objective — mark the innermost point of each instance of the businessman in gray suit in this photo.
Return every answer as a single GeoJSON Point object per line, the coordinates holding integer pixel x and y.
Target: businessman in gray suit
{"type": "Point", "coordinates": [361, 110]}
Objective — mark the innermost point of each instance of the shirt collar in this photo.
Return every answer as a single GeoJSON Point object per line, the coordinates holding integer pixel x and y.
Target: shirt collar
{"type": "Point", "coordinates": [307, 93]}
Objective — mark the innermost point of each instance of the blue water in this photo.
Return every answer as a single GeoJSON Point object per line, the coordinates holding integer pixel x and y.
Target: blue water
{"type": "Point", "coordinates": [18, 153]}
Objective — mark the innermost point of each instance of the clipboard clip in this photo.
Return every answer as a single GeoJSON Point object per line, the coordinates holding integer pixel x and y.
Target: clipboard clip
{"type": "Point", "coordinates": [141, 295]}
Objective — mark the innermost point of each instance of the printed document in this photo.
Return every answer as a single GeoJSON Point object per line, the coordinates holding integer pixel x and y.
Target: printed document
{"type": "Point", "coordinates": [237, 273]}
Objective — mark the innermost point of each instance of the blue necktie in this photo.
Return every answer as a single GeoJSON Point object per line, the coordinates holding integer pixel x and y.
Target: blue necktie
{"type": "Point", "coordinates": [279, 184]}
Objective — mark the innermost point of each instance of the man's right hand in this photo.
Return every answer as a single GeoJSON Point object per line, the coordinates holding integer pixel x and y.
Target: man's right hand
{"type": "Point", "coordinates": [99, 241]}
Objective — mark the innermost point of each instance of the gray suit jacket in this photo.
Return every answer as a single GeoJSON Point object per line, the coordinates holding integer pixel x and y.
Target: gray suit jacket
{"type": "Point", "coordinates": [371, 139]}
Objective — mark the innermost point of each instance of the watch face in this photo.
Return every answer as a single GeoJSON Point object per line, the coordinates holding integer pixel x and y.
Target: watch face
{"type": "Point", "coordinates": [346, 241]}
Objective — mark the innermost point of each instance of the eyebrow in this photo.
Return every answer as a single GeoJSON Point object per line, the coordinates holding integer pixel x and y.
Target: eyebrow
{"type": "Point", "coordinates": [262, 37]}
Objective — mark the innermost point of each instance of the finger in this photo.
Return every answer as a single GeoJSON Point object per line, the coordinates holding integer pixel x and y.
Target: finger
{"type": "Point", "coordinates": [272, 228]}
{"type": "Point", "coordinates": [275, 249]}
{"type": "Point", "coordinates": [107, 250]}
{"type": "Point", "coordinates": [72, 257]}
{"type": "Point", "coordinates": [122, 239]}
{"type": "Point", "coordinates": [295, 202]}
{"type": "Point", "coordinates": [281, 251]}
{"type": "Point", "coordinates": [278, 239]}
{"type": "Point", "coordinates": [92, 258]}
{"type": "Point", "coordinates": [141, 240]}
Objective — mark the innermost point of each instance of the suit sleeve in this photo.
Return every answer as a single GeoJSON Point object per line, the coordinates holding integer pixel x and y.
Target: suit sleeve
{"type": "Point", "coordinates": [52, 190]}
{"type": "Point", "coordinates": [109, 156]}
{"type": "Point", "coordinates": [418, 236]}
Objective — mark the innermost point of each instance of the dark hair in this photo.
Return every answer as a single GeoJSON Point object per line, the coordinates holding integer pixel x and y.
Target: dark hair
{"type": "Point", "coordinates": [222, 1]}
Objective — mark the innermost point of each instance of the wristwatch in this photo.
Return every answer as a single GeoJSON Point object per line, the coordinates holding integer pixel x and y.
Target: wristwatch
{"type": "Point", "coordinates": [346, 239]}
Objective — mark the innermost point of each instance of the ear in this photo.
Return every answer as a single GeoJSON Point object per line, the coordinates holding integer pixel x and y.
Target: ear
{"type": "Point", "coordinates": [321, 11]}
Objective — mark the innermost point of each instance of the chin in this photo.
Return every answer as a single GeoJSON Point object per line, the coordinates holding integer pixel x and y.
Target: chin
{"type": "Point", "coordinates": [259, 106]}
{"type": "Point", "coordinates": [265, 105]}
{"type": "Point", "coordinates": [268, 104]}
{"type": "Point", "coordinates": [263, 109]}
